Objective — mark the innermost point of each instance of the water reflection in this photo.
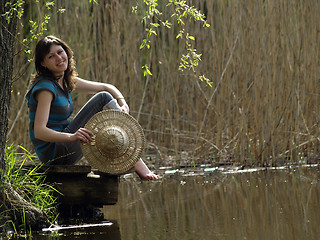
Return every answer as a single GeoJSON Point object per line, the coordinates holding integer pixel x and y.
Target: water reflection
{"type": "Point", "coordinates": [273, 204]}
{"type": "Point", "coordinates": [277, 204]}
{"type": "Point", "coordinates": [93, 233]}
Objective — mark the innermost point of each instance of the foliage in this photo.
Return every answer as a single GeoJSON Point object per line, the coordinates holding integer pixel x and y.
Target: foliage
{"type": "Point", "coordinates": [28, 182]}
{"type": "Point", "coordinates": [151, 19]}
{"type": "Point", "coordinates": [15, 7]}
{"type": "Point", "coordinates": [181, 12]}
{"type": "Point", "coordinates": [36, 27]}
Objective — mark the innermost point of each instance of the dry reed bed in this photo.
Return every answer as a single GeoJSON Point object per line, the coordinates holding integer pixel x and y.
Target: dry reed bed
{"type": "Point", "coordinates": [262, 58]}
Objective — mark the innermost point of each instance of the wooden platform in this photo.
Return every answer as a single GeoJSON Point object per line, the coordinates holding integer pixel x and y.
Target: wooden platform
{"type": "Point", "coordinates": [80, 185]}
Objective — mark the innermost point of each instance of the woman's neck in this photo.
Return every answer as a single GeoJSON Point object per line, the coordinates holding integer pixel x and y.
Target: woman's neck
{"type": "Point", "coordinates": [59, 80]}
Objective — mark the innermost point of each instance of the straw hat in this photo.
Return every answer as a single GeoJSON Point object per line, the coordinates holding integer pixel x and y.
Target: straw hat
{"type": "Point", "coordinates": [118, 142]}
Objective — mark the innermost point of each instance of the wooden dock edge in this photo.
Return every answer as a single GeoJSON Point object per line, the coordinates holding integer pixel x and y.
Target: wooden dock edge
{"type": "Point", "coordinates": [80, 185]}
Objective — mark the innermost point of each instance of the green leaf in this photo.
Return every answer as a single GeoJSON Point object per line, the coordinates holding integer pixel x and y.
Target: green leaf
{"type": "Point", "coordinates": [155, 25]}
{"type": "Point", "coordinates": [61, 10]}
{"type": "Point", "coordinates": [135, 9]}
{"type": "Point", "coordinates": [148, 71]}
{"type": "Point", "coordinates": [94, 1]}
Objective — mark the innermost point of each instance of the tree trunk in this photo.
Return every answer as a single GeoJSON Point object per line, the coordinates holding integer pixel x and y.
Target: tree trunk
{"type": "Point", "coordinates": [7, 37]}
{"type": "Point", "coordinates": [12, 204]}
{"type": "Point", "coordinates": [16, 207]}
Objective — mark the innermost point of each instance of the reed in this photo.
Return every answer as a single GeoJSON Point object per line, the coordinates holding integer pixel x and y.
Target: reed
{"type": "Point", "coordinates": [262, 57]}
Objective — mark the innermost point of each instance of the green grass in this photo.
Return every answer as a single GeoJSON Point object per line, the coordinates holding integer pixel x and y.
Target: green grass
{"type": "Point", "coordinates": [22, 176]}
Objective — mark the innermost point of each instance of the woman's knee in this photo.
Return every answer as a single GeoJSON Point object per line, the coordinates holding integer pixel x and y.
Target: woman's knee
{"type": "Point", "coordinates": [105, 96]}
{"type": "Point", "coordinates": [109, 101]}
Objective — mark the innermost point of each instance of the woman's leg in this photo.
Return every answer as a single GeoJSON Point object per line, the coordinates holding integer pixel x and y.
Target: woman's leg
{"type": "Point", "coordinates": [70, 153]}
{"type": "Point", "coordinates": [94, 105]}
{"type": "Point", "coordinates": [144, 172]}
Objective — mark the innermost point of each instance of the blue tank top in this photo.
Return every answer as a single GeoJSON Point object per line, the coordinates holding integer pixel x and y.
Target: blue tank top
{"type": "Point", "coordinates": [60, 111]}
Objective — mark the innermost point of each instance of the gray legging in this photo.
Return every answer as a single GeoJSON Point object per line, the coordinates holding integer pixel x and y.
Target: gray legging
{"type": "Point", "coordinates": [68, 153]}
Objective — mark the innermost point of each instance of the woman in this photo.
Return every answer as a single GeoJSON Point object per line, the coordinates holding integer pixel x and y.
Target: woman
{"type": "Point", "coordinates": [57, 139]}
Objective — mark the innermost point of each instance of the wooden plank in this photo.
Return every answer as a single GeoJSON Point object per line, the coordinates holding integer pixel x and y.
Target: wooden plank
{"type": "Point", "coordinates": [81, 186]}
{"type": "Point", "coordinates": [66, 169]}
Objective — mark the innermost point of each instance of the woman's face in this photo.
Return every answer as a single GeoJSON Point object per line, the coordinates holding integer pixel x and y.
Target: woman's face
{"type": "Point", "coordinates": [56, 60]}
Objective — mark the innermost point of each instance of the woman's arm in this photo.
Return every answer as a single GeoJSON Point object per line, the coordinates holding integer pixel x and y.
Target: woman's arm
{"type": "Point", "coordinates": [95, 87]}
{"type": "Point", "coordinates": [42, 132]}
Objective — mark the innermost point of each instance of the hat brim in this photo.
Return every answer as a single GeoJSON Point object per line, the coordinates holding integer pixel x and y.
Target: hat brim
{"type": "Point", "coordinates": [129, 156]}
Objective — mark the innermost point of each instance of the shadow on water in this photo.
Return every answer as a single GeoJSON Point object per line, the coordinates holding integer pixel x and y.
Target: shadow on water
{"type": "Point", "coordinates": [272, 204]}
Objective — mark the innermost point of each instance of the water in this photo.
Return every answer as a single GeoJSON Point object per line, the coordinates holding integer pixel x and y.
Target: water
{"type": "Point", "coordinates": [273, 204]}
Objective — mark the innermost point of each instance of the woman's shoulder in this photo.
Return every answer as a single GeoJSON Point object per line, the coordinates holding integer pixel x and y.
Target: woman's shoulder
{"type": "Point", "coordinates": [42, 83]}
{"type": "Point", "coordinates": [43, 80]}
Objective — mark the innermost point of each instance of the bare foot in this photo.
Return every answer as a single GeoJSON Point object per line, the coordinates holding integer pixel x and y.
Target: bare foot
{"type": "Point", "coordinates": [144, 172]}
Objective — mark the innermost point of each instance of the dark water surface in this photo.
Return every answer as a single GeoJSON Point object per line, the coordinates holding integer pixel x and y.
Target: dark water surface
{"type": "Point", "coordinates": [213, 204]}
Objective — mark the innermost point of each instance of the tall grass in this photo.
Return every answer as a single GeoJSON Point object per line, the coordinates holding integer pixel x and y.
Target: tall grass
{"type": "Point", "coordinates": [262, 57]}
{"type": "Point", "coordinates": [23, 178]}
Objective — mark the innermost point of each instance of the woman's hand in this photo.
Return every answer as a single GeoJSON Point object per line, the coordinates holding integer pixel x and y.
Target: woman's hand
{"type": "Point", "coordinates": [123, 105]}
{"type": "Point", "coordinates": [125, 108]}
{"type": "Point", "coordinates": [83, 135]}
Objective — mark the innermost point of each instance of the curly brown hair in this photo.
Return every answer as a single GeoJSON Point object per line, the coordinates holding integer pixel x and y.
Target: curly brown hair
{"type": "Point", "coordinates": [42, 49]}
